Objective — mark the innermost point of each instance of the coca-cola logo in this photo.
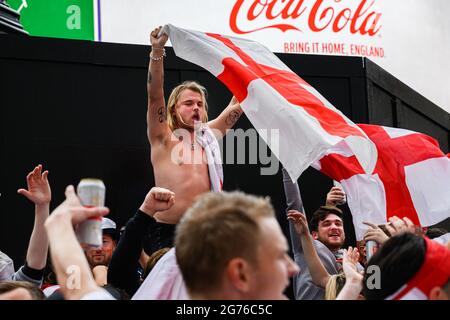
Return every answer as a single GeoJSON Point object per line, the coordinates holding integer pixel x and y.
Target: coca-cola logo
{"type": "Point", "coordinates": [358, 17]}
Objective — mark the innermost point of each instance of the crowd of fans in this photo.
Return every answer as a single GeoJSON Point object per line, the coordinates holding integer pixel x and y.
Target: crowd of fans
{"type": "Point", "coordinates": [190, 240]}
{"type": "Point", "coordinates": [228, 245]}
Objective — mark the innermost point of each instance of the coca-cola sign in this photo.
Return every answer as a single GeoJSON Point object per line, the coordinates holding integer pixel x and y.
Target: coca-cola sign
{"type": "Point", "coordinates": [408, 38]}
{"type": "Point", "coordinates": [355, 16]}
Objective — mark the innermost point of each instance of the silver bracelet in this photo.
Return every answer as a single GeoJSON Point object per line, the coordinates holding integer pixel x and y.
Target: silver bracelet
{"type": "Point", "coordinates": [160, 57]}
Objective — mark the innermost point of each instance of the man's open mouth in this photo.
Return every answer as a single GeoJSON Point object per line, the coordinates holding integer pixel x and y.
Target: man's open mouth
{"type": "Point", "coordinates": [334, 235]}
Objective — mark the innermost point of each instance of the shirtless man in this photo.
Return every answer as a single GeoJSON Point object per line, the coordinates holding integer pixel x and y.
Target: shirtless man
{"type": "Point", "coordinates": [186, 106]}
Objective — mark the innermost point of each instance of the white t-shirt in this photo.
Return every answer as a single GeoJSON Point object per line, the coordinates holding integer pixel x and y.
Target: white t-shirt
{"type": "Point", "coordinates": [164, 282]}
{"type": "Point", "coordinates": [443, 239]}
{"type": "Point", "coordinates": [99, 294]}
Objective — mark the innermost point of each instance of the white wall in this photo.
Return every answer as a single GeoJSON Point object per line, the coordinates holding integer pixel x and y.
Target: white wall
{"type": "Point", "coordinates": [417, 33]}
{"type": "Point", "coordinates": [414, 34]}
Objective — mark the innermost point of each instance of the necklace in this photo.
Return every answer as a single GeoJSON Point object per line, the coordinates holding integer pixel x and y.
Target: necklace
{"type": "Point", "coordinates": [180, 138]}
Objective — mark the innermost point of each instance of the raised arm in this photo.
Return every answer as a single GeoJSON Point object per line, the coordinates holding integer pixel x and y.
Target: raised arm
{"type": "Point", "coordinates": [293, 202]}
{"type": "Point", "coordinates": [157, 128]}
{"type": "Point", "coordinates": [38, 191]}
{"type": "Point", "coordinates": [316, 268]}
{"type": "Point", "coordinates": [227, 119]}
{"type": "Point", "coordinates": [69, 262]}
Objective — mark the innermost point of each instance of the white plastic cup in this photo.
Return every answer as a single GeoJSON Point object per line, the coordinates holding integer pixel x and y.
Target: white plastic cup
{"type": "Point", "coordinates": [91, 193]}
{"type": "Point", "coordinates": [371, 248]}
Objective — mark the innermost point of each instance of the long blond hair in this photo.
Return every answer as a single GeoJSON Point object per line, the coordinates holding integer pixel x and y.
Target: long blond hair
{"type": "Point", "coordinates": [172, 119]}
{"type": "Point", "coordinates": [334, 286]}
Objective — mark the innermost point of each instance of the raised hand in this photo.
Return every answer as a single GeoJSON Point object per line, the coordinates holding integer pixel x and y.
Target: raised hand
{"type": "Point", "coordinates": [375, 233]}
{"type": "Point", "coordinates": [349, 262]}
{"type": "Point", "coordinates": [335, 197]}
{"type": "Point", "coordinates": [38, 187]}
{"type": "Point", "coordinates": [72, 209]}
{"type": "Point", "coordinates": [156, 40]}
{"type": "Point", "coordinates": [158, 199]}
{"type": "Point", "coordinates": [398, 226]}
{"type": "Point", "coordinates": [299, 220]}
{"type": "Point", "coordinates": [353, 279]}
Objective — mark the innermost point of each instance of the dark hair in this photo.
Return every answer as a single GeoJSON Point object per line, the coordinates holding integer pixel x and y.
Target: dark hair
{"type": "Point", "coordinates": [399, 259]}
{"type": "Point", "coordinates": [435, 232]}
{"type": "Point", "coordinates": [153, 259]}
{"type": "Point", "coordinates": [113, 233]}
{"type": "Point", "coordinates": [35, 292]}
{"type": "Point", "coordinates": [321, 214]}
{"type": "Point", "coordinates": [385, 230]}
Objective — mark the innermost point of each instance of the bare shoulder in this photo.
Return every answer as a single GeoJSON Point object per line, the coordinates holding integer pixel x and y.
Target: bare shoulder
{"type": "Point", "coordinates": [158, 130]}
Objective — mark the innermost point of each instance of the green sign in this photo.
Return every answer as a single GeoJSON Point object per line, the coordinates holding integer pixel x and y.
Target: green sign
{"type": "Point", "coordinates": [72, 19]}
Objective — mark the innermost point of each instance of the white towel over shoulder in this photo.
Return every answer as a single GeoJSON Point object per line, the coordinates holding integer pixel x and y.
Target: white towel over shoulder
{"type": "Point", "coordinates": [206, 138]}
{"type": "Point", "coordinates": [164, 282]}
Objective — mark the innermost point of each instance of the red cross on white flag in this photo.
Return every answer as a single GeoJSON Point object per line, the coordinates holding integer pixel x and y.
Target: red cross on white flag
{"type": "Point", "coordinates": [411, 179]}
{"type": "Point", "coordinates": [274, 97]}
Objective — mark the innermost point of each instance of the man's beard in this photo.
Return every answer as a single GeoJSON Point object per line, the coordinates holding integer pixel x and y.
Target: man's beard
{"type": "Point", "coordinates": [333, 246]}
{"type": "Point", "coordinates": [100, 261]}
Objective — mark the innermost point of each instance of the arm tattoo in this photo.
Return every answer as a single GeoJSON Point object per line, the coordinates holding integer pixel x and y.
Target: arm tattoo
{"type": "Point", "coordinates": [149, 77]}
{"type": "Point", "coordinates": [162, 114]}
{"type": "Point", "coordinates": [233, 117]}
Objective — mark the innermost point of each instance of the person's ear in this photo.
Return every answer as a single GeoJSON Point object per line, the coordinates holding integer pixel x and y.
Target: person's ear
{"type": "Point", "coordinates": [315, 235]}
{"type": "Point", "coordinates": [437, 294]}
{"type": "Point", "coordinates": [238, 273]}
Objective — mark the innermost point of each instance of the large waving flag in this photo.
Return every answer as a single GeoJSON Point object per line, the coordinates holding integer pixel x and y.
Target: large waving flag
{"type": "Point", "coordinates": [274, 97]}
{"type": "Point", "coordinates": [411, 179]}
